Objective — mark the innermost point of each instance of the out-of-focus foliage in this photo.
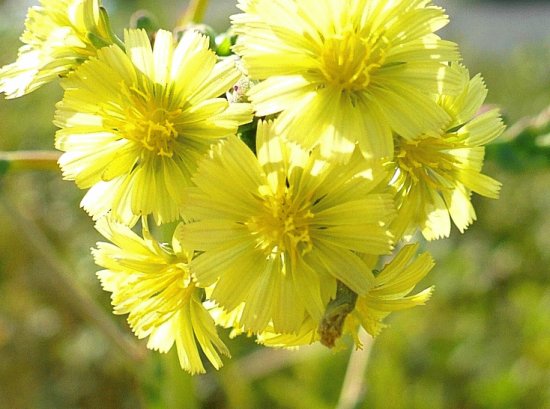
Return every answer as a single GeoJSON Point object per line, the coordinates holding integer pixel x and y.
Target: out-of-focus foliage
{"type": "Point", "coordinates": [526, 145]}
{"type": "Point", "coordinates": [483, 340]}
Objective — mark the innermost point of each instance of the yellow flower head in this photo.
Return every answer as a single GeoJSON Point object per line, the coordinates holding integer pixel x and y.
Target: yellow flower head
{"type": "Point", "coordinates": [152, 284]}
{"type": "Point", "coordinates": [134, 123]}
{"type": "Point", "coordinates": [341, 72]}
{"type": "Point", "coordinates": [389, 292]}
{"type": "Point", "coordinates": [436, 172]}
{"type": "Point", "coordinates": [276, 232]}
{"type": "Point", "coordinates": [59, 36]}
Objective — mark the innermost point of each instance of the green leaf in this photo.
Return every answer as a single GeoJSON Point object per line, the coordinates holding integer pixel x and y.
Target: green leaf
{"type": "Point", "coordinates": [525, 145]}
{"type": "Point", "coordinates": [247, 133]}
{"type": "Point", "coordinates": [224, 42]}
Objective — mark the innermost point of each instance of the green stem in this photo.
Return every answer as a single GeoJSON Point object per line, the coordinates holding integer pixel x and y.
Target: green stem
{"type": "Point", "coordinates": [177, 387]}
{"type": "Point", "coordinates": [29, 160]}
{"type": "Point", "coordinates": [353, 388]}
{"type": "Point", "coordinates": [194, 13]}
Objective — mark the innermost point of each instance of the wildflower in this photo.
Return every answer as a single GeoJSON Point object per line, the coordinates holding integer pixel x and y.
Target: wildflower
{"type": "Point", "coordinates": [152, 284]}
{"type": "Point", "coordinates": [59, 36]}
{"type": "Point", "coordinates": [282, 228]}
{"type": "Point", "coordinates": [348, 311]}
{"type": "Point", "coordinates": [341, 72]}
{"type": "Point", "coordinates": [436, 172]}
{"type": "Point", "coordinates": [134, 123]}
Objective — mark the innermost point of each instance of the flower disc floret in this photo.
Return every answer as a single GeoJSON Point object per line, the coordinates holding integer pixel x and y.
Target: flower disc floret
{"type": "Point", "coordinates": [346, 61]}
{"type": "Point", "coordinates": [428, 160]}
{"type": "Point", "coordinates": [149, 123]}
{"type": "Point", "coordinates": [281, 226]}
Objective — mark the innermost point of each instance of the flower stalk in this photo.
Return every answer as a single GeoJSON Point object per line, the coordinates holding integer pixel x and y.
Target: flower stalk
{"type": "Point", "coordinates": [29, 160]}
{"type": "Point", "coordinates": [194, 13]}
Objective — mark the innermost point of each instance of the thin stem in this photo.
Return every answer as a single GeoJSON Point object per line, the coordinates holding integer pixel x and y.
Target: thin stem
{"type": "Point", "coordinates": [194, 13]}
{"type": "Point", "coordinates": [30, 160]}
{"type": "Point", "coordinates": [177, 388]}
{"type": "Point", "coordinates": [62, 282]}
{"type": "Point", "coordinates": [353, 388]}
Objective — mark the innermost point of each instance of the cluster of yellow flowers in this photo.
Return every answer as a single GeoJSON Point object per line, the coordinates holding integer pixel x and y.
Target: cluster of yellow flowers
{"type": "Point", "coordinates": [367, 131]}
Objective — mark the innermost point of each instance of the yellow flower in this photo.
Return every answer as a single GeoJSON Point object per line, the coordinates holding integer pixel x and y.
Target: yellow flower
{"type": "Point", "coordinates": [276, 232]}
{"type": "Point", "coordinates": [344, 314]}
{"type": "Point", "coordinates": [436, 172]}
{"type": "Point", "coordinates": [391, 290]}
{"type": "Point", "coordinates": [59, 36]}
{"type": "Point", "coordinates": [134, 124]}
{"type": "Point", "coordinates": [341, 72]}
{"type": "Point", "coordinates": [152, 284]}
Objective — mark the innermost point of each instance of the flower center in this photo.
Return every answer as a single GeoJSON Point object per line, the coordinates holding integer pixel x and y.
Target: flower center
{"type": "Point", "coordinates": [282, 226]}
{"type": "Point", "coordinates": [427, 160]}
{"type": "Point", "coordinates": [148, 122]}
{"type": "Point", "coordinates": [347, 60]}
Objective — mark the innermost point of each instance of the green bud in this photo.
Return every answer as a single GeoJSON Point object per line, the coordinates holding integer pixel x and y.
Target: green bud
{"type": "Point", "coordinates": [145, 20]}
{"type": "Point", "coordinates": [224, 42]}
{"type": "Point", "coordinates": [102, 35]}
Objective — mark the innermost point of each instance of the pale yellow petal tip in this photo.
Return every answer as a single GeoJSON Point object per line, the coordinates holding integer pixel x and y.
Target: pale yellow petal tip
{"type": "Point", "coordinates": [424, 296]}
{"type": "Point", "coordinates": [373, 322]}
{"type": "Point", "coordinates": [376, 328]}
{"type": "Point", "coordinates": [433, 235]}
{"type": "Point", "coordinates": [497, 187]}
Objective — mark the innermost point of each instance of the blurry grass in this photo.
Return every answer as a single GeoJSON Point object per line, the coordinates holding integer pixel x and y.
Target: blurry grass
{"type": "Point", "coordinates": [483, 341]}
{"type": "Point", "coordinates": [521, 83]}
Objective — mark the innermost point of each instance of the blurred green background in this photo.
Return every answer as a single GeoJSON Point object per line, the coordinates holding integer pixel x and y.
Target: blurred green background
{"type": "Point", "coordinates": [483, 341]}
